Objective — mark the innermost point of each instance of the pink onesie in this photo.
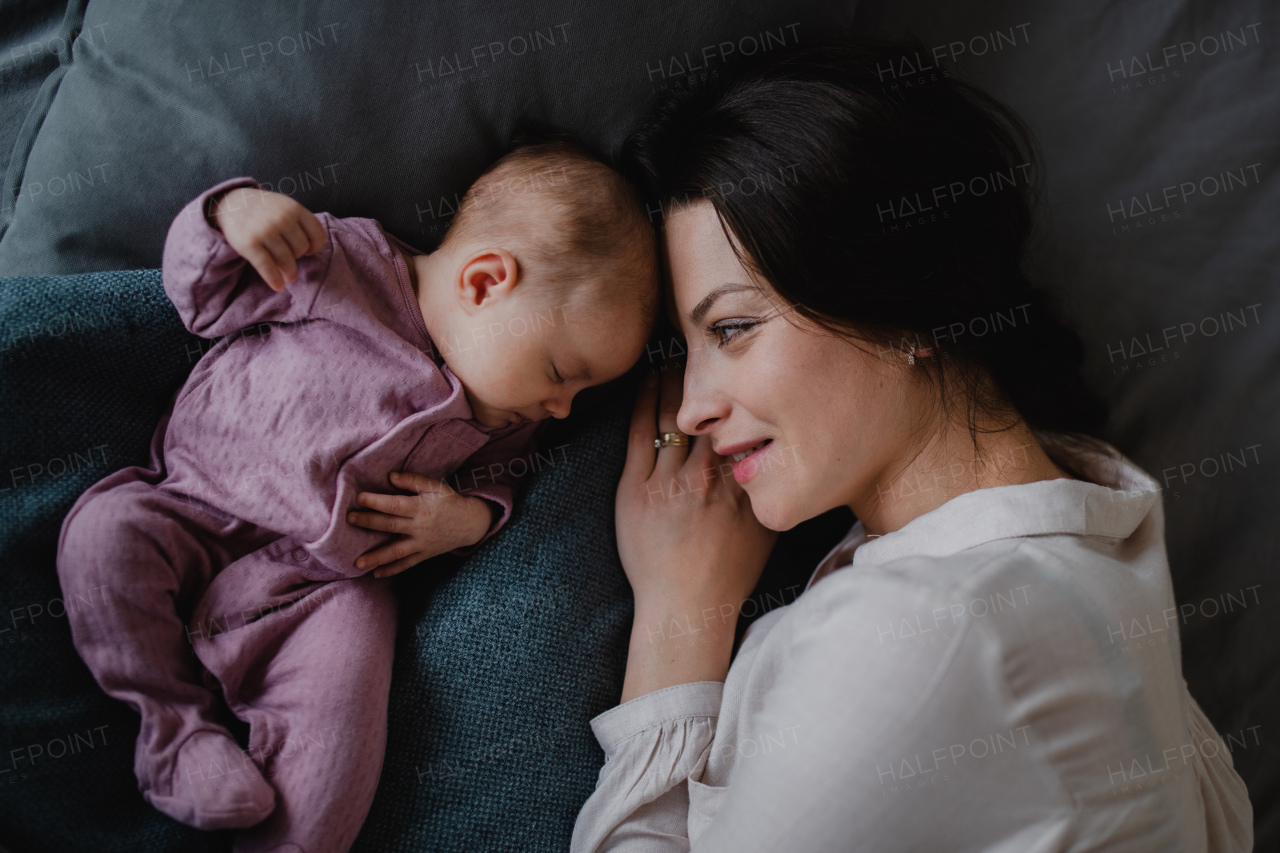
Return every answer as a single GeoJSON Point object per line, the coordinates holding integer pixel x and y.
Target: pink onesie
{"type": "Point", "coordinates": [233, 542]}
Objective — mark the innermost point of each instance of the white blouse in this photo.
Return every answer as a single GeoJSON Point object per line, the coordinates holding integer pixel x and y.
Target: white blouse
{"type": "Point", "coordinates": [1001, 674]}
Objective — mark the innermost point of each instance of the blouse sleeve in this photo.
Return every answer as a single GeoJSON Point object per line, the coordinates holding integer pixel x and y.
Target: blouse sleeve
{"type": "Point", "coordinates": [868, 758]}
{"type": "Point", "coordinates": [652, 745]}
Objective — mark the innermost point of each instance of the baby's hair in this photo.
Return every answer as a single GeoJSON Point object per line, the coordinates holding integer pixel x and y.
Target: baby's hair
{"type": "Point", "coordinates": [565, 213]}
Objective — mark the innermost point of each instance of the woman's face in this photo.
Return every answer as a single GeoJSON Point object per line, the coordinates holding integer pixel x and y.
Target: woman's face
{"type": "Point", "coordinates": [841, 421]}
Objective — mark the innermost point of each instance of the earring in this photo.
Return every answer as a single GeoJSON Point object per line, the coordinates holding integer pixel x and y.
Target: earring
{"type": "Point", "coordinates": [911, 356]}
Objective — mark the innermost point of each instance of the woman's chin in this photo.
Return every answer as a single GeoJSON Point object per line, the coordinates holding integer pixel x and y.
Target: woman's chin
{"type": "Point", "coordinates": [781, 505]}
{"type": "Point", "coordinates": [773, 513]}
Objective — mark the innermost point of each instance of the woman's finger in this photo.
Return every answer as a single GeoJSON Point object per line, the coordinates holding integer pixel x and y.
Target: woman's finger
{"type": "Point", "coordinates": [703, 466]}
{"type": "Point", "coordinates": [640, 449]}
{"type": "Point", "coordinates": [670, 458]}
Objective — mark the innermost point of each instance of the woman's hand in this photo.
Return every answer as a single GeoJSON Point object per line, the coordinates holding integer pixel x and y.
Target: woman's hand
{"type": "Point", "coordinates": [690, 546]}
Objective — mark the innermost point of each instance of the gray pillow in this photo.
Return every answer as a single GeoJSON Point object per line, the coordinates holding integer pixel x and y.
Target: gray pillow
{"type": "Point", "coordinates": [385, 110]}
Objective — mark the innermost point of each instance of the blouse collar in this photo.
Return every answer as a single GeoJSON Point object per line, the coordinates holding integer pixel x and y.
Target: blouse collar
{"type": "Point", "coordinates": [1117, 497]}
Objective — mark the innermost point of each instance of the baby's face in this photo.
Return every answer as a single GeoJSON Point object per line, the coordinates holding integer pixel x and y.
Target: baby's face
{"type": "Point", "coordinates": [526, 358]}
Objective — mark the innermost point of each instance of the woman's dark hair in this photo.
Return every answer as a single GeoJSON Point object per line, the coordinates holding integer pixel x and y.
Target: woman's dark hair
{"type": "Point", "coordinates": [884, 206]}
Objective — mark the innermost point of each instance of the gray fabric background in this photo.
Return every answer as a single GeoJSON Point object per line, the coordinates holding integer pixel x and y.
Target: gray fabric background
{"type": "Point", "coordinates": [1112, 132]}
{"type": "Point", "coordinates": [35, 42]}
{"type": "Point", "coordinates": [386, 110]}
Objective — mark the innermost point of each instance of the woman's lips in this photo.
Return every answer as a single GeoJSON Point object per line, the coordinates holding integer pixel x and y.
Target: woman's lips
{"type": "Point", "coordinates": [747, 462]}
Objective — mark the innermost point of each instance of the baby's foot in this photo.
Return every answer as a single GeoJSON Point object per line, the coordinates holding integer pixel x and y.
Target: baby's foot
{"type": "Point", "coordinates": [215, 785]}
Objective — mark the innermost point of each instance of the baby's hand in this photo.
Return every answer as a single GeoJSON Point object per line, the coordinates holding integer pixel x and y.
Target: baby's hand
{"type": "Point", "coordinates": [269, 230]}
{"type": "Point", "coordinates": [434, 521]}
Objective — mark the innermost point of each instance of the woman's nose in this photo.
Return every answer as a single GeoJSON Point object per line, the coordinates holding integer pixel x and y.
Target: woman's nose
{"type": "Point", "coordinates": [698, 410]}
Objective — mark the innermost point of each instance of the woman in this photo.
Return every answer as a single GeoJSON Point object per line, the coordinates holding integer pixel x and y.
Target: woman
{"type": "Point", "coordinates": [989, 660]}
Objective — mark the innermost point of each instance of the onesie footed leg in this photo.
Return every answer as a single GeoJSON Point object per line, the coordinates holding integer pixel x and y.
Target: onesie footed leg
{"type": "Point", "coordinates": [311, 676]}
{"type": "Point", "coordinates": [132, 561]}
{"type": "Point", "coordinates": [215, 785]}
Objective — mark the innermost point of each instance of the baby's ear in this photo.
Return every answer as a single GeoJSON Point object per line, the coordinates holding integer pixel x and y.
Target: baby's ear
{"type": "Point", "coordinates": [487, 275]}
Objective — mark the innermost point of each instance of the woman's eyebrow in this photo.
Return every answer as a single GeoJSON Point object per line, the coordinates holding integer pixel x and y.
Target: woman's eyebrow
{"type": "Point", "coordinates": [700, 310]}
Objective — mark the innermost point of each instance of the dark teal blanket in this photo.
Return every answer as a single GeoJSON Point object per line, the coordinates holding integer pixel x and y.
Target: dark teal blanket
{"type": "Point", "coordinates": [502, 659]}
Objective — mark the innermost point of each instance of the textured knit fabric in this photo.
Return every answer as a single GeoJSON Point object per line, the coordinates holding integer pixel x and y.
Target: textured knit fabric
{"type": "Point", "coordinates": [501, 659]}
{"type": "Point", "coordinates": [1001, 674]}
{"type": "Point", "coordinates": [316, 391]}
{"type": "Point", "coordinates": [254, 570]}
{"type": "Point", "coordinates": [304, 659]}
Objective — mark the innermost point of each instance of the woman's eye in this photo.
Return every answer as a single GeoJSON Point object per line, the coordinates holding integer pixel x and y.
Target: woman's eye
{"type": "Point", "coordinates": [726, 330]}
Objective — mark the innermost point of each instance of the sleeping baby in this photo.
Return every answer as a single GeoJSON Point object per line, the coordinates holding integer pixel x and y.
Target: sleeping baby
{"type": "Point", "coordinates": [305, 460]}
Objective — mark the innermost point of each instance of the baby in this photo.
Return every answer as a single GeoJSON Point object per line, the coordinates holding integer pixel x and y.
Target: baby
{"type": "Point", "coordinates": [258, 534]}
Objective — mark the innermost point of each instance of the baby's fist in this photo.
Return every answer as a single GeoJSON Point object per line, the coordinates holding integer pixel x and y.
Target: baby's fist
{"type": "Point", "coordinates": [269, 230]}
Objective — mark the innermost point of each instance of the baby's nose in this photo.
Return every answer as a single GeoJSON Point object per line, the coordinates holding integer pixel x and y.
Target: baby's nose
{"type": "Point", "coordinates": [557, 408]}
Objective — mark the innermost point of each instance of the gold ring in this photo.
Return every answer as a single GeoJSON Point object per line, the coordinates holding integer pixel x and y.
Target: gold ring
{"type": "Point", "coordinates": [672, 439]}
